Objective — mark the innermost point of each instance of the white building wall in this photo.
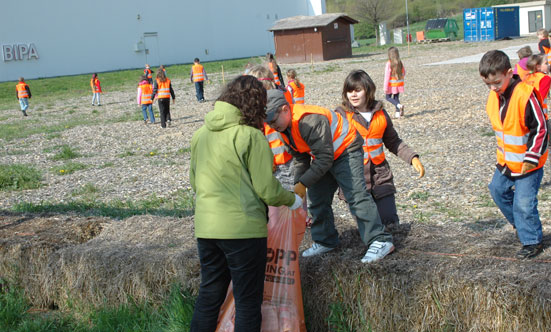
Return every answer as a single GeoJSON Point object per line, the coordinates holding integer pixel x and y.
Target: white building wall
{"type": "Point", "coordinates": [76, 37]}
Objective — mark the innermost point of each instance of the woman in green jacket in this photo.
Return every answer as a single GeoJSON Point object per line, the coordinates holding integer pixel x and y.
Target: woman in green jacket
{"type": "Point", "coordinates": [231, 174]}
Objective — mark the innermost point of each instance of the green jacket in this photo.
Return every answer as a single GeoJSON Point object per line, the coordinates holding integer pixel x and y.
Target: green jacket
{"type": "Point", "coordinates": [231, 174]}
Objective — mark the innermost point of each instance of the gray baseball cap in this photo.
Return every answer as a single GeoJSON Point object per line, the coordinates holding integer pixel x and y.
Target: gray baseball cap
{"type": "Point", "coordinates": [276, 99]}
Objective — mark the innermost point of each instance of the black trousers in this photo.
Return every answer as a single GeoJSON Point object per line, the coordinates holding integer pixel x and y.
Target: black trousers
{"type": "Point", "coordinates": [242, 261]}
{"type": "Point", "coordinates": [164, 110]}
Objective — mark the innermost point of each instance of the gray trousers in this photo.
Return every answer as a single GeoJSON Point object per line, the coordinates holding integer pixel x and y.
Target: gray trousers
{"type": "Point", "coordinates": [347, 173]}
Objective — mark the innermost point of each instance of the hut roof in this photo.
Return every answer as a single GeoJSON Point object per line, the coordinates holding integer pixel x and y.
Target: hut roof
{"type": "Point", "coordinates": [301, 22]}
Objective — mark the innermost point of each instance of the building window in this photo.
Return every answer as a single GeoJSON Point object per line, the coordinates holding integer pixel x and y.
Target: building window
{"type": "Point", "coordinates": [336, 26]}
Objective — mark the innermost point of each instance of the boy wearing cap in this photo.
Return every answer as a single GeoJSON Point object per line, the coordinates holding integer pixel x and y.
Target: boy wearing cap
{"type": "Point", "coordinates": [328, 155]}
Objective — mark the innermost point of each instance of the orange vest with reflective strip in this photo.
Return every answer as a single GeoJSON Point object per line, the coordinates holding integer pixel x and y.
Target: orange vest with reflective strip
{"type": "Point", "coordinates": [198, 73]}
{"type": "Point", "coordinates": [547, 53]}
{"type": "Point", "coordinates": [147, 94]}
{"type": "Point", "coordinates": [163, 89]}
{"type": "Point", "coordinates": [534, 80]}
{"type": "Point", "coordinates": [512, 134]}
{"type": "Point", "coordinates": [21, 89]}
{"type": "Point", "coordinates": [275, 139]}
{"type": "Point", "coordinates": [522, 72]}
{"type": "Point", "coordinates": [373, 136]}
{"type": "Point", "coordinates": [274, 71]}
{"type": "Point", "coordinates": [342, 132]}
{"type": "Point", "coordinates": [94, 84]}
{"type": "Point", "coordinates": [298, 93]}
{"type": "Point", "coordinates": [395, 81]}
{"type": "Point", "coordinates": [148, 73]}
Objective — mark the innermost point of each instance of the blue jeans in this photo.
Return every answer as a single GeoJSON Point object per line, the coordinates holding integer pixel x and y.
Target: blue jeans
{"type": "Point", "coordinates": [394, 99]}
{"type": "Point", "coordinates": [242, 261]}
{"type": "Point", "coordinates": [144, 112]}
{"type": "Point", "coordinates": [199, 91]}
{"type": "Point", "coordinates": [96, 97]}
{"type": "Point", "coordinates": [24, 103]}
{"type": "Point", "coordinates": [519, 205]}
{"type": "Point", "coordinates": [346, 173]}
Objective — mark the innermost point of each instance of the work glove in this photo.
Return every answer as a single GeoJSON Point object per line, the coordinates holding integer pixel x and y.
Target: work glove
{"type": "Point", "coordinates": [300, 190]}
{"type": "Point", "coordinates": [297, 204]}
{"type": "Point", "coordinates": [416, 163]}
{"type": "Point", "coordinates": [527, 167]}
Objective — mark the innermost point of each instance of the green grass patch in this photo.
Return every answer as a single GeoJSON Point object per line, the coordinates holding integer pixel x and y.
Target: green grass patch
{"type": "Point", "coordinates": [126, 153]}
{"type": "Point", "coordinates": [107, 164]}
{"type": "Point", "coordinates": [68, 168]}
{"type": "Point", "coordinates": [421, 196]}
{"type": "Point", "coordinates": [178, 204]}
{"type": "Point", "coordinates": [19, 177]}
{"type": "Point", "coordinates": [66, 153]}
{"type": "Point", "coordinates": [53, 136]}
{"type": "Point", "coordinates": [184, 150]}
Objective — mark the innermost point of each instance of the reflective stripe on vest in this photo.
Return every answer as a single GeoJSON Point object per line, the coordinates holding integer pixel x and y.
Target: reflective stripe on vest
{"type": "Point", "coordinates": [373, 137]}
{"type": "Point", "coordinates": [273, 69]}
{"type": "Point", "coordinates": [396, 82]}
{"type": "Point", "coordinates": [147, 94]}
{"type": "Point", "coordinates": [298, 92]}
{"type": "Point", "coordinates": [198, 73]}
{"type": "Point", "coordinates": [275, 139]}
{"type": "Point", "coordinates": [342, 132]}
{"type": "Point", "coordinates": [21, 90]}
{"type": "Point", "coordinates": [512, 134]}
{"type": "Point", "coordinates": [163, 89]}
{"type": "Point", "coordinates": [94, 85]}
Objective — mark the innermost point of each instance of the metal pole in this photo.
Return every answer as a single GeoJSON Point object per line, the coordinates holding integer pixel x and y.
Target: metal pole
{"type": "Point", "coordinates": [407, 24]}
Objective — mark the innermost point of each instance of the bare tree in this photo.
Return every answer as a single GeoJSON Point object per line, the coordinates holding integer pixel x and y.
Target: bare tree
{"type": "Point", "coordinates": [374, 12]}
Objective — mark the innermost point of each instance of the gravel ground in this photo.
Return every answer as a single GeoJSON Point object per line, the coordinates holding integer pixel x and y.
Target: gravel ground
{"type": "Point", "coordinates": [444, 122]}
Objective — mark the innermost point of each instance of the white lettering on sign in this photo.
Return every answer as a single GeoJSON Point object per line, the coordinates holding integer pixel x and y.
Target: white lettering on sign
{"type": "Point", "coordinates": [19, 52]}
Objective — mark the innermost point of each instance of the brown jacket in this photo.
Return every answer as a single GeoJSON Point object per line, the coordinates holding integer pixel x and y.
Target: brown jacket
{"type": "Point", "coordinates": [379, 178]}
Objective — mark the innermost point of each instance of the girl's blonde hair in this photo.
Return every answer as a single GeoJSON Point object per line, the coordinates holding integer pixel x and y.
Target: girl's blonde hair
{"type": "Point", "coordinates": [161, 76]}
{"type": "Point", "coordinates": [396, 66]}
{"type": "Point", "coordinates": [264, 75]}
{"type": "Point", "coordinates": [292, 74]}
{"type": "Point", "coordinates": [533, 62]}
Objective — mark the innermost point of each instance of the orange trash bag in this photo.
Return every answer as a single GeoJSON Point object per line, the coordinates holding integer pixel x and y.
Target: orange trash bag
{"type": "Point", "coordinates": [282, 309]}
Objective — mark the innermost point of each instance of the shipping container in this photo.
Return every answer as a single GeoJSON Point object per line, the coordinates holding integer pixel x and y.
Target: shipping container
{"type": "Point", "coordinates": [485, 24]}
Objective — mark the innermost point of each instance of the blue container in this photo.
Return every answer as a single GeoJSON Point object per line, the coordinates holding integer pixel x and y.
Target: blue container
{"type": "Point", "coordinates": [485, 24]}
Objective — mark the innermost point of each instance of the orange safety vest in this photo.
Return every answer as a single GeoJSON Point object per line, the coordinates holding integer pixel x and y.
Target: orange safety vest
{"type": "Point", "coordinates": [547, 53]}
{"type": "Point", "coordinates": [198, 73]}
{"type": "Point", "coordinates": [298, 92]}
{"type": "Point", "coordinates": [147, 94]}
{"type": "Point", "coordinates": [512, 133]}
{"type": "Point", "coordinates": [21, 89]}
{"type": "Point", "coordinates": [342, 132]}
{"type": "Point", "coordinates": [288, 97]}
{"type": "Point", "coordinates": [281, 156]}
{"type": "Point", "coordinates": [148, 73]}
{"type": "Point", "coordinates": [163, 89]}
{"type": "Point", "coordinates": [395, 81]}
{"type": "Point", "coordinates": [95, 85]}
{"type": "Point", "coordinates": [373, 137]}
{"type": "Point", "coordinates": [274, 71]}
{"type": "Point", "coordinates": [534, 81]}
{"type": "Point", "coordinates": [522, 73]}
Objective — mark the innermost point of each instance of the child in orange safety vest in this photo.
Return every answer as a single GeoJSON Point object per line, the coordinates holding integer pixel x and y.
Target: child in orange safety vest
{"type": "Point", "coordinates": [520, 68]}
{"type": "Point", "coordinates": [145, 99]}
{"type": "Point", "coordinates": [394, 80]}
{"type": "Point", "coordinates": [295, 87]}
{"type": "Point", "coordinates": [23, 93]}
{"type": "Point", "coordinates": [367, 115]}
{"type": "Point", "coordinates": [96, 89]}
{"type": "Point", "coordinates": [538, 78]}
{"type": "Point", "coordinates": [543, 45]}
{"type": "Point", "coordinates": [276, 71]}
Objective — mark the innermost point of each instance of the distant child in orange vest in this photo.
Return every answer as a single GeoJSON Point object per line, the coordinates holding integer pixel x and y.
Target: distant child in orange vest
{"type": "Point", "coordinates": [145, 99]}
{"type": "Point", "coordinates": [283, 160]}
{"type": "Point", "coordinates": [520, 68]}
{"type": "Point", "coordinates": [274, 67]}
{"type": "Point", "coordinates": [394, 80]}
{"type": "Point", "coordinates": [540, 80]}
{"type": "Point", "coordinates": [96, 89]}
{"type": "Point", "coordinates": [162, 91]}
{"type": "Point", "coordinates": [543, 45]}
{"type": "Point", "coordinates": [148, 73]}
{"type": "Point", "coordinates": [517, 118]}
{"type": "Point", "coordinates": [198, 76]}
{"type": "Point", "coordinates": [295, 87]}
{"type": "Point", "coordinates": [23, 93]}
{"type": "Point", "coordinates": [375, 126]}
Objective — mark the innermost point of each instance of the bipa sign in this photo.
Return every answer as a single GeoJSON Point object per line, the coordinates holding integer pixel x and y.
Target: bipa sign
{"type": "Point", "coordinates": [19, 52]}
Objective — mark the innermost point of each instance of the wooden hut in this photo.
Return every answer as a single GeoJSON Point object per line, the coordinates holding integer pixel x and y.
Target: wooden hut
{"type": "Point", "coordinates": [313, 38]}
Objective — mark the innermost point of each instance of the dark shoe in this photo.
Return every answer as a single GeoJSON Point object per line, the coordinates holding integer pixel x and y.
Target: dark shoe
{"type": "Point", "coordinates": [24, 113]}
{"type": "Point", "coordinates": [530, 251]}
{"type": "Point", "coordinates": [99, 104]}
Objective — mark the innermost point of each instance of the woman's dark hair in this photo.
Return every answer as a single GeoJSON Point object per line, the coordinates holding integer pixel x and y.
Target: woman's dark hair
{"type": "Point", "coordinates": [358, 79]}
{"type": "Point", "coordinates": [161, 76]}
{"type": "Point", "coordinates": [533, 61]}
{"type": "Point", "coordinates": [248, 94]}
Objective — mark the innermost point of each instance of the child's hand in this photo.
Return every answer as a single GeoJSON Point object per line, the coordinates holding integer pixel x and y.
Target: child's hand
{"type": "Point", "coordinates": [416, 163]}
{"type": "Point", "coordinates": [526, 167]}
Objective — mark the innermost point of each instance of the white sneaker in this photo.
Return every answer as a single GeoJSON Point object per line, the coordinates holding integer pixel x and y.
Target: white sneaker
{"type": "Point", "coordinates": [397, 115]}
{"type": "Point", "coordinates": [316, 249]}
{"type": "Point", "coordinates": [377, 250]}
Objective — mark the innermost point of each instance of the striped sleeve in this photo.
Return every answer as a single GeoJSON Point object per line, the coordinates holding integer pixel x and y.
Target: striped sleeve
{"type": "Point", "coordinates": [537, 138]}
